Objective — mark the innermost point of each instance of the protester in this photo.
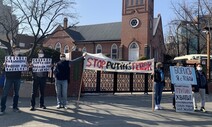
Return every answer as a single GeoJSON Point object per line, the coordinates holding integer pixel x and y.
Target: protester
{"type": "Point", "coordinates": [39, 82]}
{"type": "Point", "coordinates": [159, 83]}
{"type": "Point", "coordinates": [200, 88]}
{"type": "Point", "coordinates": [62, 74]}
{"type": "Point", "coordinates": [11, 78]}
{"type": "Point", "coordinates": [173, 99]}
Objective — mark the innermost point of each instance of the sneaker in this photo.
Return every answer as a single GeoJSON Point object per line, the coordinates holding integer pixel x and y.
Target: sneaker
{"type": "Point", "coordinates": [43, 106]}
{"type": "Point", "coordinates": [32, 108]}
{"type": "Point", "coordinates": [156, 107]}
{"type": "Point", "coordinates": [65, 107]}
{"type": "Point", "coordinates": [195, 108]}
{"type": "Point", "coordinates": [58, 106]}
{"type": "Point", "coordinates": [159, 107]}
{"type": "Point", "coordinates": [16, 110]}
{"type": "Point", "coordinates": [202, 109]}
{"type": "Point", "coordinates": [174, 107]}
{"type": "Point", "coordinates": [2, 113]}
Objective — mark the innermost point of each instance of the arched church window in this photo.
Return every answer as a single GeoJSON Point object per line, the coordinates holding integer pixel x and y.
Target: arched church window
{"type": "Point", "coordinates": [98, 48]}
{"type": "Point", "coordinates": [66, 49]}
{"type": "Point", "coordinates": [114, 51]}
{"type": "Point", "coordinates": [58, 47]}
{"type": "Point", "coordinates": [133, 51]}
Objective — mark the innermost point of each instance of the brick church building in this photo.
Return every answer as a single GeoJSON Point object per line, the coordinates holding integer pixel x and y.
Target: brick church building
{"type": "Point", "coordinates": [138, 35]}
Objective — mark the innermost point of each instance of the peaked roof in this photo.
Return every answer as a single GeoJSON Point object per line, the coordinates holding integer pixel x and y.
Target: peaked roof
{"type": "Point", "coordinates": [97, 32]}
{"type": "Point", "coordinates": [101, 32]}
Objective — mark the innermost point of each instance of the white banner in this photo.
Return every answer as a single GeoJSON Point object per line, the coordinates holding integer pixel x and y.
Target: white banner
{"type": "Point", "coordinates": [103, 63]}
{"type": "Point", "coordinates": [184, 98]}
{"type": "Point", "coordinates": [41, 64]}
{"type": "Point", "coordinates": [15, 63]}
{"type": "Point", "coordinates": [183, 75]}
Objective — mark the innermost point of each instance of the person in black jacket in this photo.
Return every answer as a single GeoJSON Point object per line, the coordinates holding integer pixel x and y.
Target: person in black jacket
{"type": "Point", "coordinates": [11, 78]}
{"type": "Point", "coordinates": [62, 74]}
{"type": "Point", "coordinates": [159, 83]}
{"type": "Point", "coordinates": [39, 82]}
{"type": "Point", "coordinates": [200, 88]}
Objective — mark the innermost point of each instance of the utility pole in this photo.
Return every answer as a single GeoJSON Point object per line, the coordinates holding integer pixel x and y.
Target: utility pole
{"type": "Point", "coordinates": [198, 29]}
{"type": "Point", "coordinates": [208, 55]}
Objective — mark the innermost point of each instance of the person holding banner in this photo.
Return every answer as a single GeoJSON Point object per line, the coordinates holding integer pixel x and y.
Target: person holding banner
{"type": "Point", "coordinates": [159, 83]}
{"type": "Point", "coordinates": [39, 81]}
{"type": "Point", "coordinates": [62, 73]}
{"type": "Point", "coordinates": [200, 88]}
{"type": "Point", "coordinates": [12, 77]}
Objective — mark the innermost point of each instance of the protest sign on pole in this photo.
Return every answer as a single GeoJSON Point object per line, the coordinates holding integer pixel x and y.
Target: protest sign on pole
{"type": "Point", "coordinates": [15, 63]}
{"type": "Point", "coordinates": [102, 63]}
{"type": "Point", "coordinates": [41, 64]}
{"type": "Point", "coordinates": [183, 98]}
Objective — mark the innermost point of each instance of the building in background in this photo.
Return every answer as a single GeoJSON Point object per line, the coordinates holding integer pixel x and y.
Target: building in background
{"type": "Point", "coordinates": [138, 35]}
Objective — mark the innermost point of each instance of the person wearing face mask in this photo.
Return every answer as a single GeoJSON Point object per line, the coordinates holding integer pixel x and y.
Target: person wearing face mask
{"type": "Point", "coordinates": [159, 83]}
{"type": "Point", "coordinates": [11, 78]}
{"type": "Point", "coordinates": [39, 82]}
{"type": "Point", "coordinates": [200, 88]}
{"type": "Point", "coordinates": [62, 73]}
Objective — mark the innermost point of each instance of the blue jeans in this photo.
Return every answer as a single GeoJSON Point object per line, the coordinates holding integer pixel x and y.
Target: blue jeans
{"type": "Point", "coordinates": [7, 85]}
{"type": "Point", "coordinates": [61, 87]}
{"type": "Point", "coordinates": [158, 88]}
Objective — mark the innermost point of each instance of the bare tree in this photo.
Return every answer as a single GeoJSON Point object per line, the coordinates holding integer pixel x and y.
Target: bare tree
{"type": "Point", "coordinates": [9, 25]}
{"type": "Point", "coordinates": [41, 17]}
{"type": "Point", "coordinates": [191, 18]}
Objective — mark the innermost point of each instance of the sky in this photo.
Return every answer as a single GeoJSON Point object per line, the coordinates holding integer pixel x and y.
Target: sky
{"type": "Point", "coordinates": [106, 11]}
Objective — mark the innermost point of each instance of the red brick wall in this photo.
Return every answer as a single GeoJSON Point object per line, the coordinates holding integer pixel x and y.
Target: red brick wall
{"type": "Point", "coordinates": [91, 47]}
{"type": "Point", "coordinates": [142, 34]}
{"type": "Point", "coordinates": [61, 37]}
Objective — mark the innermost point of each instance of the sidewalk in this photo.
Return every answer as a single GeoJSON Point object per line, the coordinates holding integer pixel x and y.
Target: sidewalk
{"type": "Point", "coordinates": [106, 110]}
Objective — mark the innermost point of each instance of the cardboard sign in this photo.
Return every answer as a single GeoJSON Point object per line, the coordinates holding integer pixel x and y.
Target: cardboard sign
{"type": "Point", "coordinates": [15, 63]}
{"type": "Point", "coordinates": [41, 64]}
{"type": "Point", "coordinates": [183, 98]}
{"type": "Point", "coordinates": [183, 75]}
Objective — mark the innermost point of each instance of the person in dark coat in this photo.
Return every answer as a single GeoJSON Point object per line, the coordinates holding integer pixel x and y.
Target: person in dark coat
{"type": "Point", "coordinates": [200, 88]}
{"type": "Point", "coordinates": [62, 73]}
{"type": "Point", "coordinates": [12, 78]}
{"type": "Point", "coordinates": [159, 83]}
{"type": "Point", "coordinates": [39, 83]}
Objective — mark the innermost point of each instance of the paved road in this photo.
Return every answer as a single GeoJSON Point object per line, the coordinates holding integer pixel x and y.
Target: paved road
{"type": "Point", "coordinates": [106, 110]}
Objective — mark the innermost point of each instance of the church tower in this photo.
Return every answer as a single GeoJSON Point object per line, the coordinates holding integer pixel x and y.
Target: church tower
{"type": "Point", "coordinates": [137, 29]}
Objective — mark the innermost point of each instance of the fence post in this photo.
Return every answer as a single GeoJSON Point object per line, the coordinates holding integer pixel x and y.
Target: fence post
{"type": "Point", "coordinates": [98, 80]}
{"type": "Point", "coordinates": [146, 83]}
{"type": "Point", "coordinates": [131, 82]}
{"type": "Point", "coordinates": [115, 82]}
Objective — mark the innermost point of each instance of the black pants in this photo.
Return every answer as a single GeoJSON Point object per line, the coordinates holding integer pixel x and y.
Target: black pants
{"type": "Point", "coordinates": [38, 83]}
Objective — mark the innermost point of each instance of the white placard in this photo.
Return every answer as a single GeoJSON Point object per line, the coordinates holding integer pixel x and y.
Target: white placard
{"type": "Point", "coordinates": [15, 63]}
{"type": "Point", "coordinates": [183, 98]}
{"type": "Point", "coordinates": [183, 75]}
{"type": "Point", "coordinates": [41, 64]}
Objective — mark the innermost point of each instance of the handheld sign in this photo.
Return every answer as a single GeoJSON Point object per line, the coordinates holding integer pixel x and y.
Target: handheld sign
{"type": "Point", "coordinates": [183, 75]}
{"type": "Point", "coordinates": [184, 98]}
{"type": "Point", "coordinates": [41, 64]}
{"type": "Point", "coordinates": [15, 63]}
